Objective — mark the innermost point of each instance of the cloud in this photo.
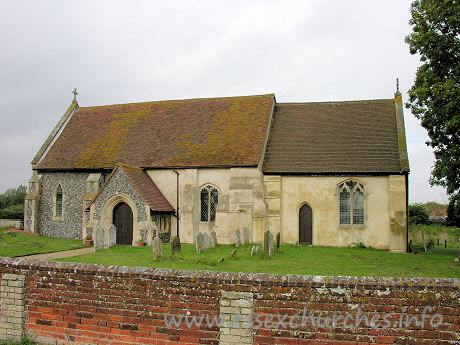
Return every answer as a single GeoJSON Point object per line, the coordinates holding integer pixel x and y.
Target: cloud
{"type": "Point", "coordinates": [133, 51]}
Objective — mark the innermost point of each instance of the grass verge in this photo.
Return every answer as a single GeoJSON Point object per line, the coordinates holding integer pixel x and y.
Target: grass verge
{"type": "Point", "coordinates": [17, 244]}
{"type": "Point", "coordinates": [434, 234]}
{"type": "Point", "coordinates": [438, 262]}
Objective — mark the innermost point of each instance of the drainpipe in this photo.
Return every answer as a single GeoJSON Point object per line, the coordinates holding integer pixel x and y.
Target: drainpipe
{"type": "Point", "coordinates": [407, 212]}
{"type": "Point", "coordinates": [177, 201]}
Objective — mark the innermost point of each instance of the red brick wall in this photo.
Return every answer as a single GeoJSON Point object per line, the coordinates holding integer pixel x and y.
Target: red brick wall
{"type": "Point", "coordinates": [95, 304]}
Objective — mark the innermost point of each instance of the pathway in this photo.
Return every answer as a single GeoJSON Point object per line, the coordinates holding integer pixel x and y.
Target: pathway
{"type": "Point", "coordinates": [58, 255]}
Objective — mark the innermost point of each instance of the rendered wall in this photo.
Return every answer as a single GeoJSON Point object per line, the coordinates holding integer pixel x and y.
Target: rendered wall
{"type": "Point", "coordinates": [285, 195]}
{"type": "Point", "coordinates": [69, 303]}
{"type": "Point", "coordinates": [240, 200]}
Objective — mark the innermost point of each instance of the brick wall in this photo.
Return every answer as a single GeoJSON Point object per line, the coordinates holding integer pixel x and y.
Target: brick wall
{"type": "Point", "coordinates": [68, 303]}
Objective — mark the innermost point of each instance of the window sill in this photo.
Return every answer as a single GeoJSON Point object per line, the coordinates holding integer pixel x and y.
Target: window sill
{"type": "Point", "coordinates": [59, 219]}
{"type": "Point", "coordinates": [349, 226]}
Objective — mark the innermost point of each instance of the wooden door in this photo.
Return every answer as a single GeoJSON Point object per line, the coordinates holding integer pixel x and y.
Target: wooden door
{"type": "Point", "coordinates": [305, 225]}
{"type": "Point", "coordinates": [123, 221]}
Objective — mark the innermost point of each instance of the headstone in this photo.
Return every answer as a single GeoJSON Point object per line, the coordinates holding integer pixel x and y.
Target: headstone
{"type": "Point", "coordinates": [157, 248]}
{"type": "Point", "coordinates": [98, 239]}
{"type": "Point", "coordinates": [220, 260]}
{"type": "Point", "coordinates": [257, 249]}
{"type": "Point", "coordinates": [233, 254]}
{"type": "Point", "coordinates": [206, 241]}
{"type": "Point", "coordinates": [199, 242]}
{"type": "Point", "coordinates": [278, 240]}
{"type": "Point", "coordinates": [266, 244]}
{"type": "Point", "coordinates": [237, 238]}
{"type": "Point", "coordinates": [151, 233]}
{"type": "Point", "coordinates": [245, 235]}
{"type": "Point", "coordinates": [157, 230]}
{"type": "Point", "coordinates": [213, 239]}
{"type": "Point", "coordinates": [112, 236]}
{"type": "Point", "coordinates": [175, 245]}
{"type": "Point", "coordinates": [253, 250]}
{"type": "Point", "coordinates": [296, 244]}
{"type": "Point", "coordinates": [270, 245]}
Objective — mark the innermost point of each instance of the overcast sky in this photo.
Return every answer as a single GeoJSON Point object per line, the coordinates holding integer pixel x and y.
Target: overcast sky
{"type": "Point", "coordinates": [134, 51]}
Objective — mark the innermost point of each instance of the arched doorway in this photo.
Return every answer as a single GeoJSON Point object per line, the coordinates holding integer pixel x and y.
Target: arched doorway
{"type": "Point", "coordinates": [305, 225]}
{"type": "Point", "coordinates": [123, 221]}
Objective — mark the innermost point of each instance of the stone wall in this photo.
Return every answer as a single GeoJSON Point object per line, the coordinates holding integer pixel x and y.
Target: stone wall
{"type": "Point", "coordinates": [384, 205]}
{"type": "Point", "coordinates": [12, 306]}
{"type": "Point", "coordinates": [10, 223]}
{"type": "Point", "coordinates": [119, 183]}
{"type": "Point", "coordinates": [240, 202]}
{"type": "Point", "coordinates": [73, 188]}
{"type": "Point", "coordinates": [118, 189]}
{"type": "Point", "coordinates": [94, 304]}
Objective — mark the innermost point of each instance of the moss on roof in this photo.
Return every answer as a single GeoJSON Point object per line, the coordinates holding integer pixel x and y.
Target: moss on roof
{"type": "Point", "coordinates": [226, 131]}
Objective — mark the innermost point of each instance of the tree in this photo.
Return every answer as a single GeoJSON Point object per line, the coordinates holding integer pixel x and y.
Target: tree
{"type": "Point", "coordinates": [435, 96]}
{"type": "Point", "coordinates": [12, 203]}
{"type": "Point", "coordinates": [418, 214]}
{"type": "Point", "coordinates": [453, 211]}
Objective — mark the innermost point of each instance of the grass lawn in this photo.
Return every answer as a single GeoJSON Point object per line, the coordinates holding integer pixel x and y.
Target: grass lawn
{"type": "Point", "coordinates": [434, 233]}
{"type": "Point", "coordinates": [438, 262]}
{"type": "Point", "coordinates": [17, 244]}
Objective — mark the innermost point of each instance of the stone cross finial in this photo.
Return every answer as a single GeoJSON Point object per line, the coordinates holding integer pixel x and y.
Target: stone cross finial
{"type": "Point", "coordinates": [75, 93]}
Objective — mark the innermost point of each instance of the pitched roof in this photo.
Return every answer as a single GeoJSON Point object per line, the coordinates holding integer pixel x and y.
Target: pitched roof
{"type": "Point", "coordinates": [147, 189]}
{"type": "Point", "coordinates": [228, 131]}
{"type": "Point", "coordinates": [144, 185]}
{"type": "Point", "coordinates": [333, 137]}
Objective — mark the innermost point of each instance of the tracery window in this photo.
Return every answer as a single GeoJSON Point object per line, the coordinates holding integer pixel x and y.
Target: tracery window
{"type": "Point", "coordinates": [351, 198]}
{"type": "Point", "coordinates": [209, 199]}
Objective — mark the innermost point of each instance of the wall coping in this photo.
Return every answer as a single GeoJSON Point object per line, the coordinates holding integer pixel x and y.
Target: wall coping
{"type": "Point", "coordinates": [255, 279]}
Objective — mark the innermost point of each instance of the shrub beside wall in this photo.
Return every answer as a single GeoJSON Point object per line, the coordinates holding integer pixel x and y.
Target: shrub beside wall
{"type": "Point", "coordinates": [71, 303]}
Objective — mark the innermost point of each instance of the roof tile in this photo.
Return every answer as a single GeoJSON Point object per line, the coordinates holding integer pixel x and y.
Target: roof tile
{"type": "Point", "coordinates": [333, 137]}
{"type": "Point", "coordinates": [227, 131]}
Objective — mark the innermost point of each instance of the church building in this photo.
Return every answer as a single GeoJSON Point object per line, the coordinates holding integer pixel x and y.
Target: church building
{"type": "Point", "coordinates": [319, 173]}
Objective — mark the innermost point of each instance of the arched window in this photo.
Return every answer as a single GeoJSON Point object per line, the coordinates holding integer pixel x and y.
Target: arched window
{"type": "Point", "coordinates": [58, 205]}
{"type": "Point", "coordinates": [351, 197]}
{"type": "Point", "coordinates": [209, 198]}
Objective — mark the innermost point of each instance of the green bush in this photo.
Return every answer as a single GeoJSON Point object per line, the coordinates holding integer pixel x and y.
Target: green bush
{"type": "Point", "coordinates": [418, 214]}
{"type": "Point", "coordinates": [12, 203]}
{"type": "Point", "coordinates": [12, 212]}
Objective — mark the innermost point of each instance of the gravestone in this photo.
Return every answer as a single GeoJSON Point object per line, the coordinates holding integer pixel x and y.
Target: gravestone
{"type": "Point", "coordinates": [257, 249]}
{"type": "Point", "coordinates": [175, 245]}
{"type": "Point", "coordinates": [98, 239]}
{"type": "Point", "coordinates": [206, 241]}
{"type": "Point", "coordinates": [233, 254]}
{"type": "Point", "coordinates": [112, 236]}
{"type": "Point", "coordinates": [266, 244]}
{"type": "Point", "coordinates": [220, 260]}
{"type": "Point", "coordinates": [157, 248]}
{"type": "Point", "coordinates": [151, 233]}
{"type": "Point", "coordinates": [213, 239]}
{"type": "Point", "coordinates": [199, 243]}
{"type": "Point", "coordinates": [270, 245]}
{"type": "Point", "coordinates": [253, 250]}
{"type": "Point", "coordinates": [278, 240]}
{"type": "Point", "coordinates": [245, 235]}
{"type": "Point", "coordinates": [237, 238]}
